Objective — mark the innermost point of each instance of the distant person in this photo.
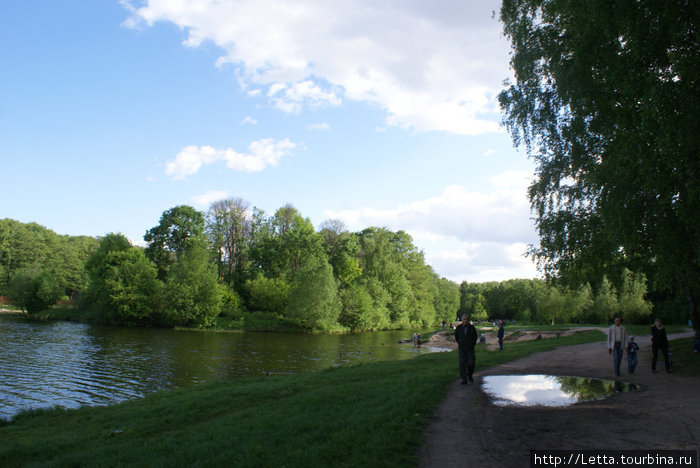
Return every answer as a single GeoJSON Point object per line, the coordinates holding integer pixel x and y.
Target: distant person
{"type": "Point", "coordinates": [501, 334]}
{"type": "Point", "coordinates": [659, 342]}
{"type": "Point", "coordinates": [617, 343]}
{"type": "Point", "coordinates": [443, 324]}
{"type": "Point", "coordinates": [465, 336]}
{"type": "Point", "coordinates": [632, 349]}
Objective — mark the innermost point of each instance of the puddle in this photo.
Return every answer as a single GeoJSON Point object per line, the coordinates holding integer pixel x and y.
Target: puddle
{"type": "Point", "coordinates": [550, 390]}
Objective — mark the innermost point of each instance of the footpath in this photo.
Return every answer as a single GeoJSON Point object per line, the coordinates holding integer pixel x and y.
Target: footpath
{"type": "Point", "coordinates": [467, 430]}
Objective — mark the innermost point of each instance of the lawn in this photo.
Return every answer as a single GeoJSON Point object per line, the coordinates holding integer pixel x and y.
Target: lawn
{"type": "Point", "coordinates": [366, 415]}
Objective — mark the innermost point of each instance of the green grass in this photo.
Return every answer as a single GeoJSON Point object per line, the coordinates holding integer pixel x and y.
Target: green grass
{"type": "Point", "coordinates": [366, 415]}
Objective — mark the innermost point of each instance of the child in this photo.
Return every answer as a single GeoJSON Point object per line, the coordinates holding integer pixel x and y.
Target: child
{"type": "Point", "coordinates": [632, 349]}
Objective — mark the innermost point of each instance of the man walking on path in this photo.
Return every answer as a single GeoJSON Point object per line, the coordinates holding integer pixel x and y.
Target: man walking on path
{"type": "Point", "coordinates": [465, 335]}
{"type": "Point", "coordinates": [617, 338]}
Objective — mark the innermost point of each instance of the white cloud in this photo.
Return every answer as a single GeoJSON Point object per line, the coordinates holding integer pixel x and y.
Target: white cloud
{"type": "Point", "coordinates": [261, 154]}
{"type": "Point", "coordinates": [319, 126]}
{"type": "Point", "coordinates": [207, 198]}
{"type": "Point", "coordinates": [466, 235]}
{"type": "Point", "coordinates": [249, 120]}
{"type": "Point", "coordinates": [428, 66]}
{"type": "Point", "coordinates": [292, 98]}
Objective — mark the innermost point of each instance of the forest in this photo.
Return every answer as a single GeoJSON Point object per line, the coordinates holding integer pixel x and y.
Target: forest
{"type": "Point", "coordinates": [234, 266]}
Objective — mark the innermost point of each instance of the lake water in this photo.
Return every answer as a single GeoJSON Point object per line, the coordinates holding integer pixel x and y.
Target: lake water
{"type": "Point", "coordinates": [69, 364]}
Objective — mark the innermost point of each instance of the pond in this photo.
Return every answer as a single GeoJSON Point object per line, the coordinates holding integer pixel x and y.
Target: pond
{"type": "Point", "coordinates": [69, 364]}
{"type": "Point", "coordinates": [550, 390]}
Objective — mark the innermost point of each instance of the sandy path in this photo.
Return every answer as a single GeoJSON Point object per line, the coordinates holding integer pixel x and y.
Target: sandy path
{"type": "Point", "coordinates": [466, 430]}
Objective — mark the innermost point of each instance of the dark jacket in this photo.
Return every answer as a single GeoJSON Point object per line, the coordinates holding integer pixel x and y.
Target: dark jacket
{"type": "Point", "coordinates": [658, 337]}
{"type": "Point", "coordinates": [501, 332]}
{"type": "Point", "coordinates": [466, 336]}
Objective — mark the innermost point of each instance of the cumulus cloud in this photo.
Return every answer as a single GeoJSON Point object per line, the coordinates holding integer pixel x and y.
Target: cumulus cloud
{"type": "Point", "coordinates": [465, 235]}
{"type": "Point", "coordinates": [207, 198]}
{"type": "Point", "coordinates": [249, 120]}
{"type": "Point", "coordinates": [261, 154]}
{"type": "Point", "coordinates": [428, 66]}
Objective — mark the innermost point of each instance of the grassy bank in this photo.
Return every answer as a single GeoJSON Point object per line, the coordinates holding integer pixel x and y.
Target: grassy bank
{"type": "Point", "coordinates": [372, 414]}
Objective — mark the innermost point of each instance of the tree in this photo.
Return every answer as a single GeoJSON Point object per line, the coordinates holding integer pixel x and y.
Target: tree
{"type": "Point", "coordinates": [281, 243]}
{"type": "Point", "coordinates": [34, 290]}
{"type": "Point", "coordinates": [605, 303]}
{"type": "Point", "coordinates": [634, 308]}
{"type": "Point", "coordinates": [313, 298]}
{"type": "Point", "coordinates": [168, 239]}
{"type": "Point", "coordinates": [193, 295]}
{"type": "Point", "coordinates": [604, 99]}
{"type": "Point", "coordinates": [123, 288]}
{"type": "Point", "coordinates": [342, 249]}
{"type": "Point", "coordinates": [229, 228]}
{"type": "Point", "coordinates": [267, 294]}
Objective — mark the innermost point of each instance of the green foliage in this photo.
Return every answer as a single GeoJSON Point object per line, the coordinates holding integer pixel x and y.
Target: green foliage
{"type": "Point", "coordinates": [634, 308]}
{"type": "Point", "coordinates": [30, 246]}
{"type": "Point", "coordinates": [446, 298]}
{"type": "Point", "coordinates": [193, 295]}
{"type": "Point", "coordinates": [123, 287]}
{"type": "Point", "coordinates": [606, 305]}
{"type": "Point", "coordinates": [604, 99]}
{"type": "Point", "coordinates": [313, 297]}
{"type": "Point", "coordinates": [168, 239]}
{"type": "Point", "coordinates": [361, 310]}
{"type": "Point", "coordinates": [535, 300]}
{"type": "Point", "coordinates": [34, 290]}
{"type": "Point", "coordinates": [229, 228]}
{"type": "Point", "coordinates": [267, 294]}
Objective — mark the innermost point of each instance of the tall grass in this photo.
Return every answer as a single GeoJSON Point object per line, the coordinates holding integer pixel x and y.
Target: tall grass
{"type": "Point", "coordinates": [366, 415]}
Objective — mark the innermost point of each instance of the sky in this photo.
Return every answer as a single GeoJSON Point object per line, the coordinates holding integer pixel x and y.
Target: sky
{"type": "Point", "coordinates": [373, 113]}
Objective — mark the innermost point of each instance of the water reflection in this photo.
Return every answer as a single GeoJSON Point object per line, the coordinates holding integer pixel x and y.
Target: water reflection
{"type": "Point", "coordinates": [549, 390]}
{"type": "Point", "coordinates": [69, 365]}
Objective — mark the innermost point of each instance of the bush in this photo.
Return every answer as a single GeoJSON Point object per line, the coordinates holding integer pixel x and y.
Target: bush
{"type": "Point", "coordinates": [34, 290]}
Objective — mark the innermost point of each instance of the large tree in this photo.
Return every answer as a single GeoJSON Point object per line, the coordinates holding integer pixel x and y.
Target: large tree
{"type": "Point", "coordinates": [168, 240]}
{"type": "Point", "coordinates": [604, 99]}
{"type": "Point", "coordinates": [229, 229]}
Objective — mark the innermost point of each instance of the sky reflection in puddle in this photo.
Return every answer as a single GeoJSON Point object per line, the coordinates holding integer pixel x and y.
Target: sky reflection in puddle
{"type": "Point", "coordinates": [549, 390]}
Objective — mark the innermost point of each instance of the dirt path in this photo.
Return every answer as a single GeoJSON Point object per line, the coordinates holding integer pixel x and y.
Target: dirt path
{"type": "Point", "coordinates": [466, 430]}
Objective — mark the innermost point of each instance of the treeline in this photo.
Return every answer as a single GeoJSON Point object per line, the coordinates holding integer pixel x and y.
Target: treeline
{"type": "Point", "coordinates": [232, 264]}
{"type": "Point", "coordinates": [534, 300]}
{"type": "Point", "coordinates": [39, 267]}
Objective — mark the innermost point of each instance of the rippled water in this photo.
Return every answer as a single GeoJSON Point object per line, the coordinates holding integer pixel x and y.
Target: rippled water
{"type": "Point", "coordinates": [69, 365]}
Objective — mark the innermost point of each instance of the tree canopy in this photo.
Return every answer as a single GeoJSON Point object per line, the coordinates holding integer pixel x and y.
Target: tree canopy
{"type": "Point", "coordinates": [604, 99]}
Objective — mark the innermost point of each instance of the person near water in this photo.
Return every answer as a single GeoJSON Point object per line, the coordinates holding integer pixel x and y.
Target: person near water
{"type": "Point", "coordinates": [617, 343]}
{"type": "Point", "coordinates": [632, 349]}
{"type": "Point", "coordinates": [659, 342]}
{"type": "Point", "coordinates": [466, 337]}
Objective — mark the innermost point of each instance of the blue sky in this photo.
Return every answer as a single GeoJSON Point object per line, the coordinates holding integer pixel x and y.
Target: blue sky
{"type": "Point", "coordinates": [374, 113]}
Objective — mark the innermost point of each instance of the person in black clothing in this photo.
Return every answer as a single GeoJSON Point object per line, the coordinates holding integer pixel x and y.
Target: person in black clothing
{"type": "Point", "coordinates": [501, 334]}
{"type": "Point", "coordinates": [659, 342]}
{"type": "Point", "coordinates": [466, 336]}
